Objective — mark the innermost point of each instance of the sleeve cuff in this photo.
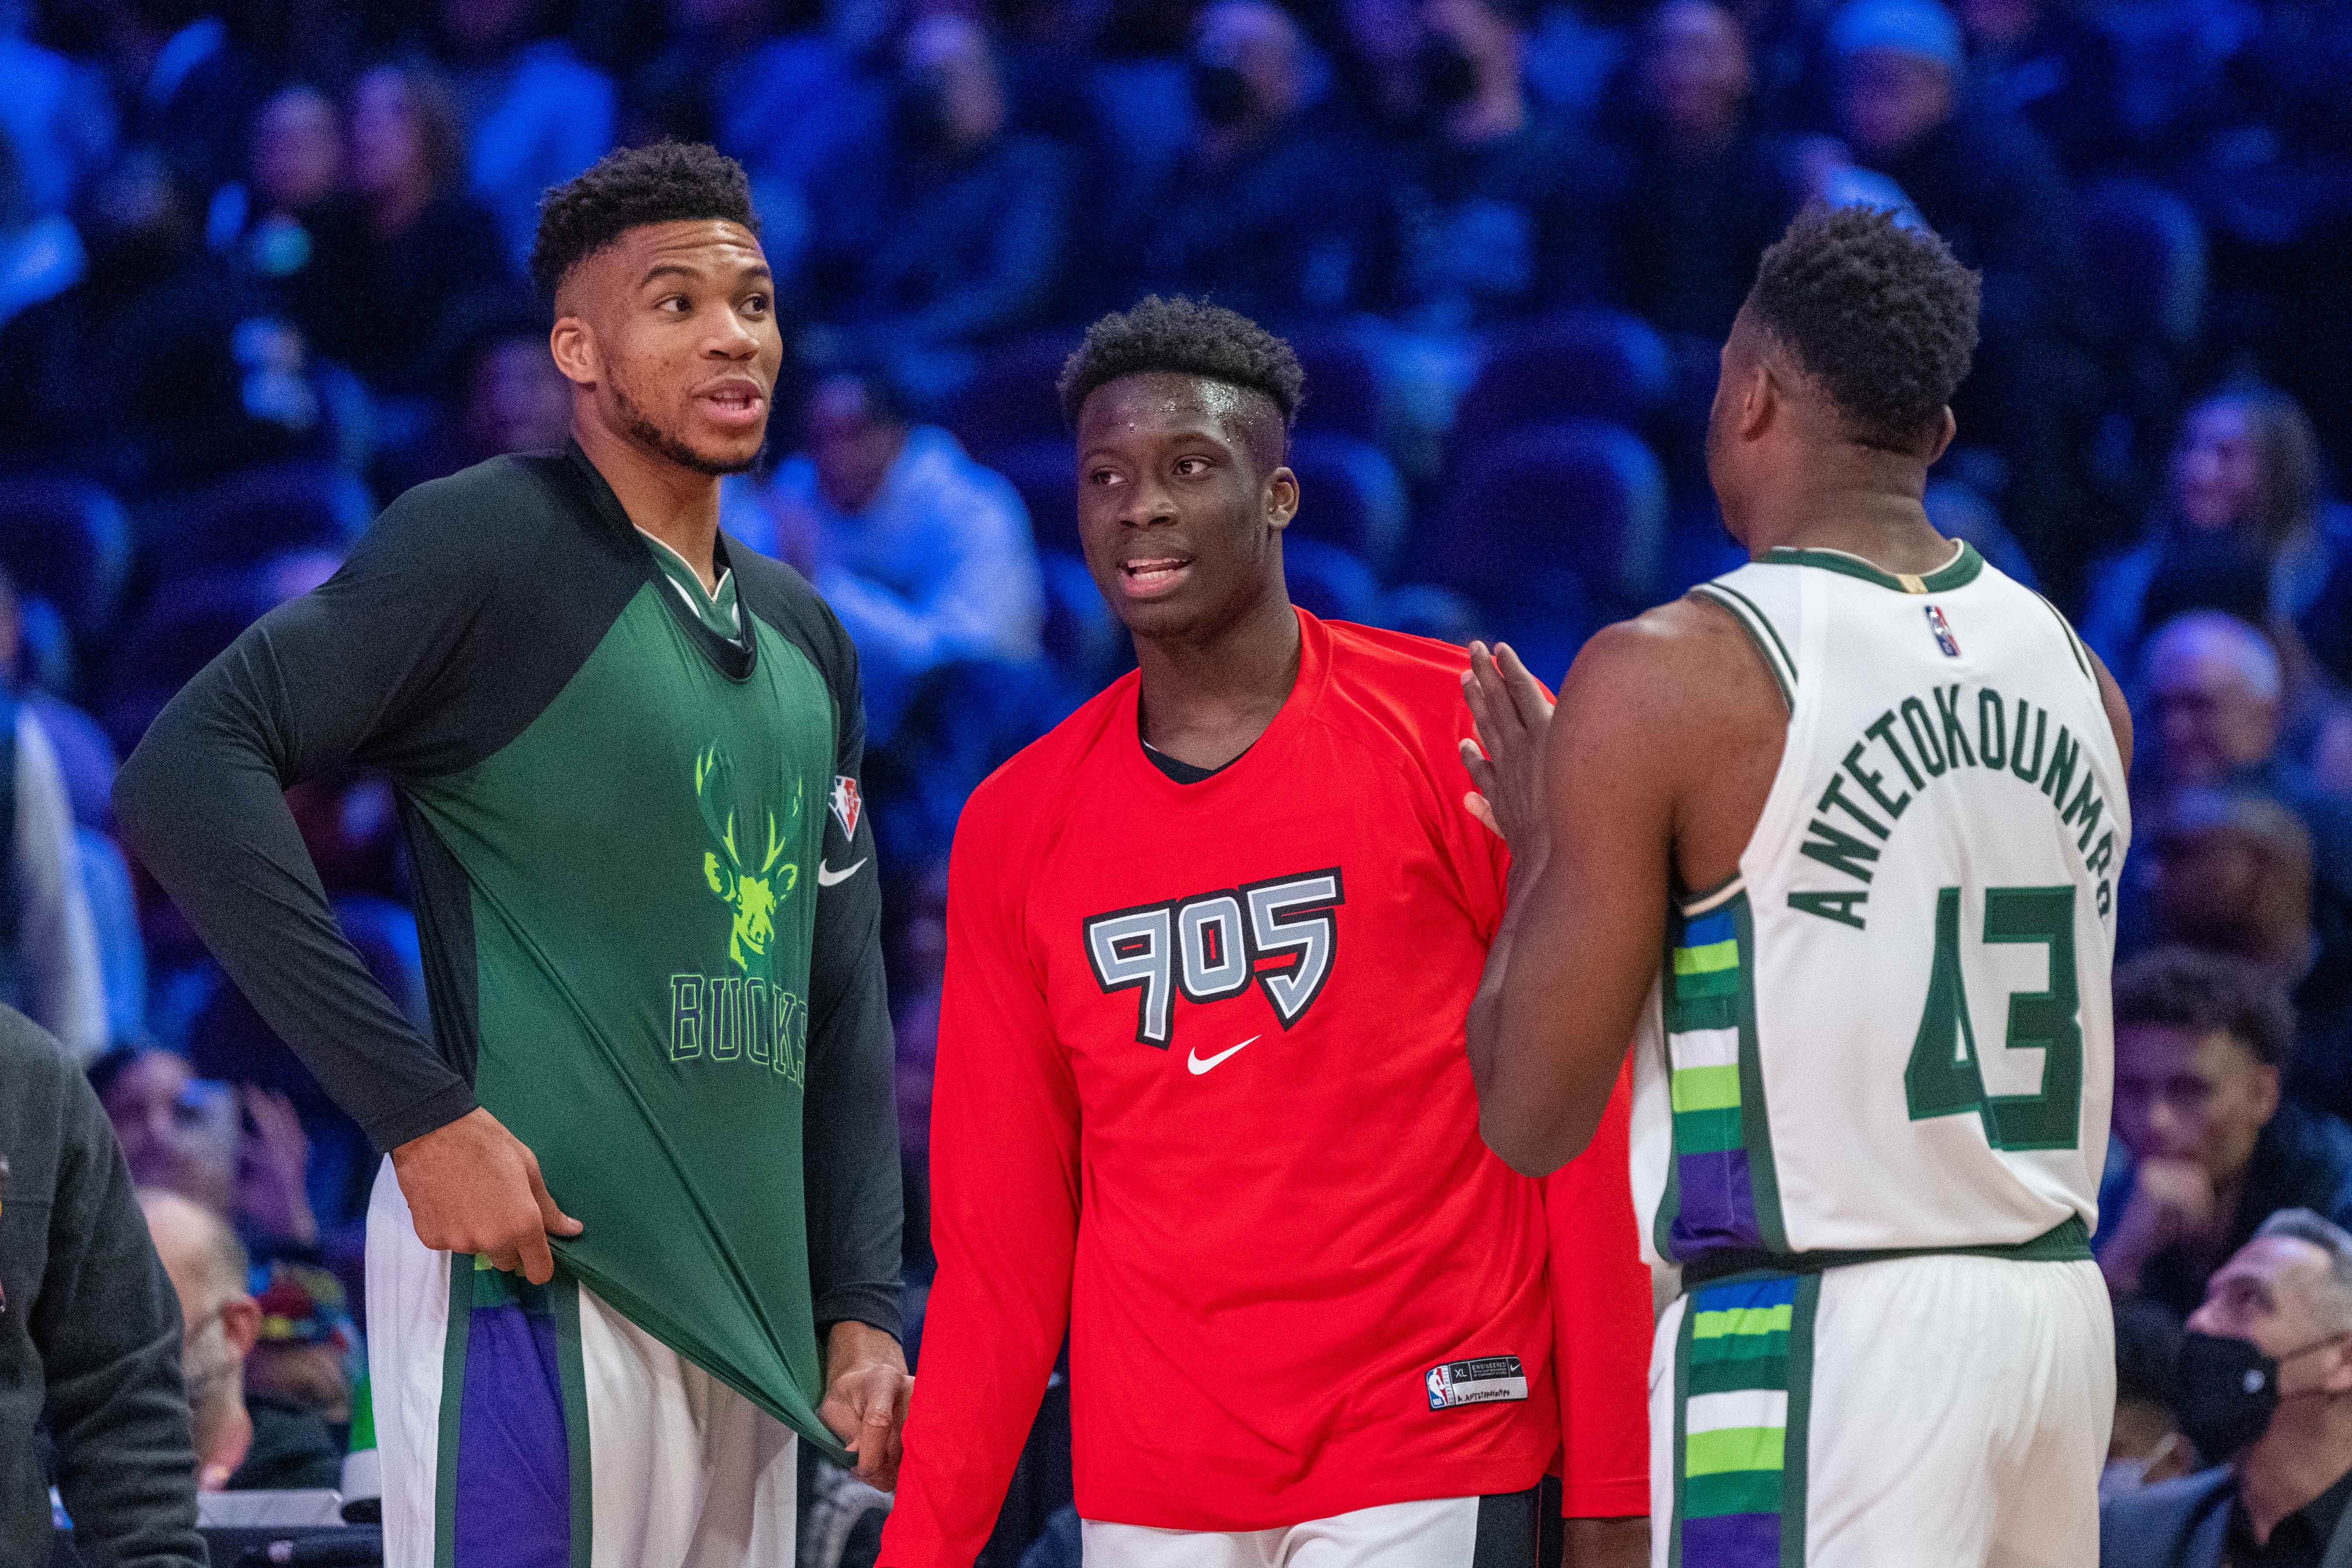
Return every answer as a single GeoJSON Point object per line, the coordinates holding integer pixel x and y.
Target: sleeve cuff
{"type": "Point", "coordinates": [875, 1305]}
{"type": "Point", "coordinates": [430, 1114]}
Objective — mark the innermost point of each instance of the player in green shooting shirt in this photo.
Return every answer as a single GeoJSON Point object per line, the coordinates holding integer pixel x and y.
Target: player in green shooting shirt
{"type": "Point", "coordinates": [638, 1230]}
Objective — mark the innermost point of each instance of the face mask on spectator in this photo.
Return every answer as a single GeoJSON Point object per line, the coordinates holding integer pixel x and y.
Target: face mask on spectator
{"type": "Point", "coordinates": [2229, 1391]}
{"type": "Point", "coordinates": [2122, 1477]}
{"type": "Point", "coordinates": [1221, 93]}
{"type": "Point", "coordinates": [1448, 76]}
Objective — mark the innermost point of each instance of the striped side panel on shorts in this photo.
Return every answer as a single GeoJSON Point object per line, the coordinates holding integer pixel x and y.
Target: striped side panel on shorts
{"type": "Point", "coordinates": [1743, 1382]}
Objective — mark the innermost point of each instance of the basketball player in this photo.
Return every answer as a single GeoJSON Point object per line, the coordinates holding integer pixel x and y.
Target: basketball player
{"type": "Point", "coordinates": [1833, 841]}
{"type": "Point", "coordinates": [1202, 1099]}
{"type": "Point", "coordinates": [627, 753]}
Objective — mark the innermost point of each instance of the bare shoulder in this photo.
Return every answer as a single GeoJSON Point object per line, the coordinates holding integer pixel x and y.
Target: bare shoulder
{"type": "Point", "coordinates": [2111, 698]}
{"type": "Point", "coordinates": [1686, 665]}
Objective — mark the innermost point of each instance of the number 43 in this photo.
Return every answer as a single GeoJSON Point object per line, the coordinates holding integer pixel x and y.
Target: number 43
{"type": "Point", "coordinates": [1943, 1077]}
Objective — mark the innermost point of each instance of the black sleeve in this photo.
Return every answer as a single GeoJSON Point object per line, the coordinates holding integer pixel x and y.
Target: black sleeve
{"type": "Point", "coordinates": [107, 1327]}
{"type": "Point", "coordinates": [359, 670]}
{"type": "Point", "coordinates": [850, 1119]}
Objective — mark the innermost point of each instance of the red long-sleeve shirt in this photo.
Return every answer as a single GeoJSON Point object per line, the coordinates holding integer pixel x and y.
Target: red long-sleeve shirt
{"type": "Point", "coordinates": [1202, 1099]}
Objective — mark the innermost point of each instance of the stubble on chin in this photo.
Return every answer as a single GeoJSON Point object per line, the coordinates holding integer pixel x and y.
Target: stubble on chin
{"type": "Point", "coordinates": [672, 448]}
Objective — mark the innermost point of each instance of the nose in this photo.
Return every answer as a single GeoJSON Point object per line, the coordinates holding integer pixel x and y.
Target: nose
{"type": "Point", "coordinates": [1148, 504]}
{"type": "Point", "coordinates": [732, 339]}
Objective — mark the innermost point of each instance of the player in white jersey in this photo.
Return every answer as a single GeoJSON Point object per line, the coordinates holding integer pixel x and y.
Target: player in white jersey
{"type": "Point", "coordinates": [1833, 841]}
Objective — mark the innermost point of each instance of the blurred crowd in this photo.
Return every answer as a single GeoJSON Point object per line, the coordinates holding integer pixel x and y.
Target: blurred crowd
{"type": "Point", "coordinates": [260, 270]}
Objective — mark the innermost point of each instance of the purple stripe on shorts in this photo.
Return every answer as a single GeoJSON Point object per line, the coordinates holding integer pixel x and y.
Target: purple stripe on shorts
{"type": "Point", "coordinates": [1715, 1204]}
{"type": "Point", "coordinates": [514, 1472]}
{"type": "Point", "coordinates": [1732, 1540]}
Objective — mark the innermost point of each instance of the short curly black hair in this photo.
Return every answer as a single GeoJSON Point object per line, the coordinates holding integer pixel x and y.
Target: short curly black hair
{"type": "Point", "coordinates": [1882, 316]}
{"type": "Point", "coordinates": [1183, 337]}
{"type": "Point", "coordinates": [669, 182]}
{"type": "Point", "coordinates": [2202, 993]}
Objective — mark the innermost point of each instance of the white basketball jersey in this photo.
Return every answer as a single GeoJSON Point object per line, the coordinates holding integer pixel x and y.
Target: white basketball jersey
{"type": "Point", "coordinates": [1892, 1030]}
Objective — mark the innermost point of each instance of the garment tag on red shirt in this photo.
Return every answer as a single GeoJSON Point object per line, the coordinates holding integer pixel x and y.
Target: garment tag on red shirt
{"type": "Point", "coordinates": [1481, 1381]}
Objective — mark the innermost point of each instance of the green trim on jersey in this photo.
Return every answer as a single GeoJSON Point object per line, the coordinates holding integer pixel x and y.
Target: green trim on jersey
{"type": "Point", "coordinates": [573, 1370]}
{"type": "Point", "coordinates": [1743, 1377]}
{"type": "Point", "coordinates": [453, 1399]}
{"type": "Point", "coordinates": [716, 608]}
{"type": "Point", "coordinates": [2074, 643]}
{"type": "Point", "coordinates": [2068, 1241]}
{"type": "Point", "coordinates": [1760, 631]}
{"type": "Point", "coordinates": [1962, 570]}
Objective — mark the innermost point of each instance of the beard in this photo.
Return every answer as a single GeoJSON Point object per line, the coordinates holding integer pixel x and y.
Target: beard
{"type": "Point", "coordinates": [673, 447]}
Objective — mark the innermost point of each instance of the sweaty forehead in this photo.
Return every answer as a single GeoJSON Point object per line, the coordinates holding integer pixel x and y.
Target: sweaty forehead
{"type": "Point", "coordinates": [1162, 404]}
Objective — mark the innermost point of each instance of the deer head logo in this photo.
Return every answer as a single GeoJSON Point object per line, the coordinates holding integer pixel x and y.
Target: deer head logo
{"type": "Point", "coordinates": [747, 886]}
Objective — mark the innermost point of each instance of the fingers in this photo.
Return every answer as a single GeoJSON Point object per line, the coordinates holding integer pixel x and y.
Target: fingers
{"type": "Point", "coordinates": [876, 1446]}
{"type": "Point", "coordinates": [550, 1218]}
{"type": "Point", "coordinates": [538, 1260]}
{"type": "Point", "coordinates": [1477, 807]}
{"type": "Point", "coordinates": [1485, 706]}
{"type": "Point", "coordinates": [1525, 692]}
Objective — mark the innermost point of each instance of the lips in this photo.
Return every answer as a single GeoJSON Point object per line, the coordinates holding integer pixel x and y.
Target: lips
{"type": "Point", "coordinates": [1149, 576]}
{"type": "Point", "coordinates": [733, 402]}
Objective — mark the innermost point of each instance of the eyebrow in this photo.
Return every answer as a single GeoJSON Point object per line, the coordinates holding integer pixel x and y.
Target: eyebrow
{"type": "Point", "coordinates": [758, 271]}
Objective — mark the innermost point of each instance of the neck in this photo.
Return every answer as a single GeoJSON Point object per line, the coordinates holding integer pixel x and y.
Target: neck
{"type": "Point", "coordinates": [224, 1435]}
{"type": "Point", "coordinates": [1207, 699]}
{"type": "Point", "coordinates": [677, 505]}
{"type": "Point", "coordinates": [1866, 504]}
{"type": "Point", "coordinates": [2307, 1450]}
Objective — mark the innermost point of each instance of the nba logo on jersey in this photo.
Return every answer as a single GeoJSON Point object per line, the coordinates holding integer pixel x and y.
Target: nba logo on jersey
{"type": "Point", "coordinates": [1943, 631]}
{"type": "Point", "coordinates": [846, 805]}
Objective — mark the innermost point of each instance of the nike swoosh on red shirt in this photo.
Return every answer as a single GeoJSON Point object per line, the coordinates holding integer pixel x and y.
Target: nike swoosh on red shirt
{"type": "Point", "coordinates": [1193, 1061]}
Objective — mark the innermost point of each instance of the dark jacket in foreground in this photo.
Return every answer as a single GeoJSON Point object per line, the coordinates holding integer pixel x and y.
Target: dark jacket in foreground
{"type": "Point", "coordinates": [89, 1339]}
{"type": "Point", "coordinates": [2185, 1523]}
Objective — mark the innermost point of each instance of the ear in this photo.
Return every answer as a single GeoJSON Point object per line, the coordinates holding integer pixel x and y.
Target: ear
{"type": "Point", "coordinates": [574, 347]}
{"type": "Point", "coordinates": [1944, 431]}
{"type": "Point", "coordinates": [2337, 1379]}
{"type": "Point", "coordinates": [241, 1323]}
{"type": "Point", "coordinates": [1759, 401]}
{"type": "Point", "coordinates": [2263, 1085]}
{"type": "Point", "coordinates": [1281, 499]}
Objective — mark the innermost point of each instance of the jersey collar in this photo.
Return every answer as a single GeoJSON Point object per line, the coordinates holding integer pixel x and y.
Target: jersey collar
{"type": "Point", "coordinates": [716, 608]}
{"type": "Point", "coordinates": [1957, 572]}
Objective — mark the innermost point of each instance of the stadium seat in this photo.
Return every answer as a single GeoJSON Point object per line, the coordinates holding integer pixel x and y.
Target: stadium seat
{"type": "Point", "coordinates": [265, 513]}
{"type": "Point", "coordinates": [1010, 400]}
{"type": "Point", "coordinates": [1350, 495]}
{"type": "Point", "coordinates": [1044, 474]}
{"type": "Point", "coordinates": [65, 540]}
{"type": "Point", "coordinates": [1552, 531]}
{"type": "Point", "coordinates": [1329, 581]}
{"type": "Point", "coordinates": [1343, 387]}
{"type": "Point", "coordinates": [2147, 264]}
{"type": "Point", "coordinates": [1592, 364]}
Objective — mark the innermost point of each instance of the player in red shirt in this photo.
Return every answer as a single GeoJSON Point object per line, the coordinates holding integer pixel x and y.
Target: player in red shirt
{"type": "Point", "coordinates": [1202, 1098]}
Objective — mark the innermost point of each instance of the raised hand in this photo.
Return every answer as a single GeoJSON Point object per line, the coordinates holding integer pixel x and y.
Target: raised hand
{"type": "Point", "coordinates": [273, 1187]}
{"type": "Point", "coordinates": [472, 1186]}
{"type": "Point", "coordinates": [1512, 713]}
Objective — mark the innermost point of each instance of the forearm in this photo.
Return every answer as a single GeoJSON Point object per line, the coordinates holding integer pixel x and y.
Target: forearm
{"type": "Point", "coordinates": [202, 803]}
{"type": "Point", "coordinates": [1622, 1542]}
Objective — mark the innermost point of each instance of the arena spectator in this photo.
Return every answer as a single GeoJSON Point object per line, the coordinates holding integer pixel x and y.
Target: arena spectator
{"type": "Point", "coordinates": [535, 113]}
{"type": "Point", "coordinates": [185, 1135]}
{"type": "Point", "coordinates": [924, 554]}
{"type": "Point", "coordinates": [964, 244]}
{"type": "Point", "coordinates": [1987, 184]}
{"type": "Point", "coordinates": [510, 398]}
{"type": "Point", "coordinates": [1706, 190]}
{"type": "Point", "coordinates": [244, 1443]}
{"type": "Point", "coordinates": [54, 112]}
{"type": "Point", "coordinates": [2265, 1385]}
{"type": "Point", "coordinates": [412, 260]}
{"type": "Point", "coordinates": [1491, 201]}
{"type": "Point", "coordinates": [1265, 210]}
{"type": "Point", "coordinates": [2146, 1447]}
{"type": "Point", "coordinates": [89, 1332]}
{"type": "Point", "coordinates": [266, 223]}
{"type": "Point", "coordinates": [183, 85]}
{"type": "Point", "coordinates": [2213, 1149]}
{"type": "Point", "coordinates": [41, 253]}
{"type": "Point", "coordinates": [301, 1353]}
{"type": "Point", "coordinates": [2246, 466]}
{"type": "Point", "coordinates": [153, 371]}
